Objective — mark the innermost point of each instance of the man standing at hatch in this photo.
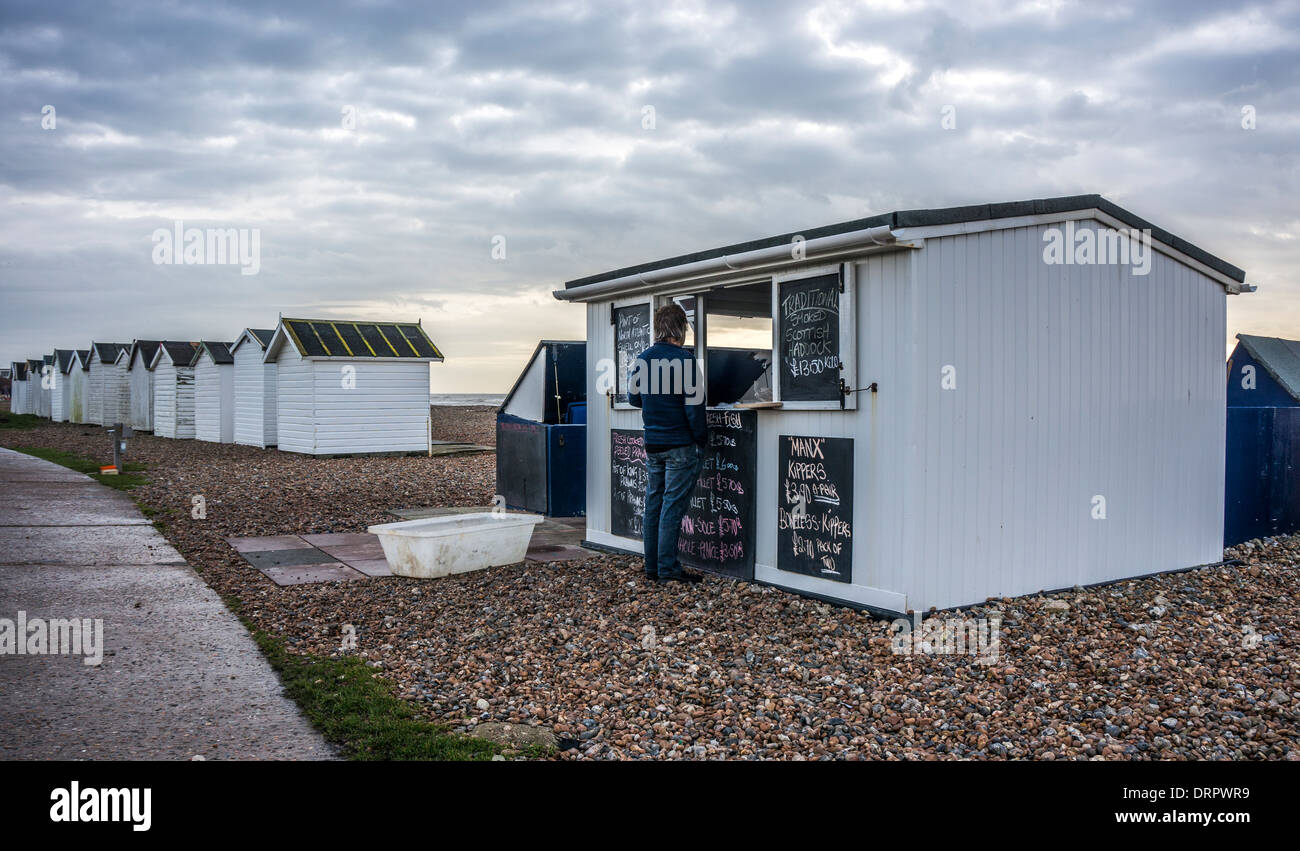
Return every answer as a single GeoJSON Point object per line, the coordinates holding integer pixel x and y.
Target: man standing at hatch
{"type": "Point", "coordinates": [664, 384]}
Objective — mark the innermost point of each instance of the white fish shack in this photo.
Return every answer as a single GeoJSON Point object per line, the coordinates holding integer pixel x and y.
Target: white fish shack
{"type": "Point", "coordinates": [929, 408]}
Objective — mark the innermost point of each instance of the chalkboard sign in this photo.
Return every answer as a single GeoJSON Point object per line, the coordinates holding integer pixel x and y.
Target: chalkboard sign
{"type": "Point", "coordinates": [718, 529]}
{"type": "Point", "coordinates": [627, 481]}
{"type": "Point", "coordinates": [809, 348]}
{"type": "Point", "coordinates": [814, 533]}
{"type": "Point", "coordinates": [633, 334]}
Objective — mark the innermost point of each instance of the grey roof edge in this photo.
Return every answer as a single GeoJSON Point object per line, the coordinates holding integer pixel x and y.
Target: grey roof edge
{"type": "Point", "coordinates": [98, 351]}
{"type": "Point", "coordinates": [1258, 348]}
{"type": "Point", "coordinates": [261, 336]}
{"type": "Point", "coordinates": [149, 347]}
{"type": "Point", "coordinates": [180, 352]}
{"type": "Point", "coordinates": [218, 351]}
{"type": "Point", "coordinates": [938, 216]}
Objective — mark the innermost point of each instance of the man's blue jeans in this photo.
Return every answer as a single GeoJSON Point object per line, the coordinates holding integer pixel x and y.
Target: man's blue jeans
{"type": "Point", "coordinates": [667, 493]}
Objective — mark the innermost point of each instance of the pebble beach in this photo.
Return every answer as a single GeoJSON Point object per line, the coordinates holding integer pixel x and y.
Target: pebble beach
{"type": "Point", "coordinates": [1193, 665]}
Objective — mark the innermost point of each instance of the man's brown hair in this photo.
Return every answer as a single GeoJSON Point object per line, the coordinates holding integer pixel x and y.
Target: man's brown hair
{"type": "Point", "coordinates": [670, 323]}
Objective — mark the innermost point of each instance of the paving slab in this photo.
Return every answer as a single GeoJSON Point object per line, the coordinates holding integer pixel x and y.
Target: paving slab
{"type": "Point", "coordinates": [287, 558]}
{"type": "Point", "coordinates": [303, 574]}
{"type": "Point", "coordinates": [340, 539]}
{"type": "Point", "coordinates": [372, 567]}
{"type": "Point", "coordinates": [266, 544]}
{"type": "Point", "coordinates": [86, 545]}
{"type": "Point", "coordinates": [356, 552]}
{"type": "Point", "coordinates": [556, 553]}
{"type": "Point", "coordinates": [176, 676]}
{"type": "Point", "coordinates": [75, 509]}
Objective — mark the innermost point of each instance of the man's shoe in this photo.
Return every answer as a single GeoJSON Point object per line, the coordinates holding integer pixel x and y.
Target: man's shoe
{"type": "Point", "coordinates": [687, 578]}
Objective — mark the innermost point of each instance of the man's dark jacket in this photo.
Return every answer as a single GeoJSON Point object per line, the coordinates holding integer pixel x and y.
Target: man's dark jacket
{"type": "Point", "coordinates": [670, 419]}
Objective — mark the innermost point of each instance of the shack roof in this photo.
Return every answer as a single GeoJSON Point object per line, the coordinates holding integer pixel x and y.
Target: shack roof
{"type": "Point", "coordinates": [107, 352]}
{"type": "Point", "coordinates": [941, 216]}
{"type": "Point", "coordinates": [1280, 359]}
{"type": "Point", "coordinates": [180, 353]}
{"type": "Point", "coordinates": [65, 359]}
{"type": "Point", "coordinates": [83, 358]}
{"type": "Point", "coordinates": [346, 340]}
{"type": "Point", "coordinates": [260, 336]}
{"type": "Point", "coordinates": [219, 352]}
{"type": "Point", "coordinates": [146, 349]}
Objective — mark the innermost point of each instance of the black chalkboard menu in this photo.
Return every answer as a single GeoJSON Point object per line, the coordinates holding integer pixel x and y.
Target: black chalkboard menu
{"type": "Point", "coordinates": [808, 352]}
{"type": "Point", "coordinates": [718, 529]}
{"type": "Point", "coordinates": [814, 533]}
{"type": "Point", "coordinates": [627, 481]}
{"type": "Point", "coordinates": [633, 334]}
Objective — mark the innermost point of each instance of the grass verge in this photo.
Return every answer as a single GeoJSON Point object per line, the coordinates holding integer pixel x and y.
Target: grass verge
{"type": "Point", "coordinates": [9, 420]}
{"type": "Point", "coordinates": [357, 712]}
{"type": "Point", "coordinates": [124, 481]}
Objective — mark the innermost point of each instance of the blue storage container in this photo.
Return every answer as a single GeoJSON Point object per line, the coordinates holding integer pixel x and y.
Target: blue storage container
{"type": "Point", "coordinates": [542, 433]}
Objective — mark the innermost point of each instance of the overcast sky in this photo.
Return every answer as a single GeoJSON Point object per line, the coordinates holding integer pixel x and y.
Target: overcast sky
{"type": "Point", "coordinates": [527, 121]}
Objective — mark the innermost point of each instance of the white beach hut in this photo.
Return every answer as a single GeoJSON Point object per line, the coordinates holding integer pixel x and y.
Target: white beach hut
{"type": "Point", "coordinates": [139, 381]}
{"type": "Point", "coordinates": [59, 385]}
{"type": "Point", "coordinates": [929, 408]}
{"type": "Point", "coordinates": [106, 384]}
{"type": "Point", "coordinates": [35, 375]}
{"type": "Point", "coordinates": [76, 383]}
{"type": "Point", "coordinates": [18, 387]}
{"type": "Point", "coordinates": [214, 393]}
{"type": "Point", "coordinates": [345, 388]}
{"type": "Point", "coordinates": [173, 389]}
{"type": "Point", "coordinates": [46, 384]}
{"type": "Point", "coordinates": [255, 420]}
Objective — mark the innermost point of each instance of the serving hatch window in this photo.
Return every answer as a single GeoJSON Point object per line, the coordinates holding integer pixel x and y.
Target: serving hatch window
{"type": "Point", "coordinates": [738, 336]}
{"type": "Point", "coordinates": [789, 341]}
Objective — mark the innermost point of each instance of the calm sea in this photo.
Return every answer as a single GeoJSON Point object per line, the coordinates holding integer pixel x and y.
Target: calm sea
{"type": "Point", "coordinates": [465, 399]}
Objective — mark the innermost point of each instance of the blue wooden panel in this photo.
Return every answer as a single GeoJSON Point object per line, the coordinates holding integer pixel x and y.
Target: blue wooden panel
{"type": "Point", "coordinates": [1262, 494]}
{"type": "Point", "coordinates": [567, 471]}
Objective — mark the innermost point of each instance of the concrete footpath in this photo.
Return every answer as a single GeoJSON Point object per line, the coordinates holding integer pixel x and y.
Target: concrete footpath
{"type": "Point", "coordinates": [179, 677]}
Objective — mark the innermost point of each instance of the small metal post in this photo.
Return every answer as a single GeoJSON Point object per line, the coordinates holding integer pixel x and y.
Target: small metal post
{"type": "Point", "coordinates": [119, 445]}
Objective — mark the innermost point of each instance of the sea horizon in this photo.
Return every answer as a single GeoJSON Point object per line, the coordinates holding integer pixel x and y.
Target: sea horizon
{"type": "Point", "coordinates": [467, 399]}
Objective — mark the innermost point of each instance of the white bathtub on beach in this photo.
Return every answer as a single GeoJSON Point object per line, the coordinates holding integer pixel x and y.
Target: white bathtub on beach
{"type": "Point", "coordinates": [455, 543]}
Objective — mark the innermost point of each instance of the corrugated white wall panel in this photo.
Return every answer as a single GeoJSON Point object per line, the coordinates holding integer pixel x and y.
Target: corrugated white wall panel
{"type": "Point", "coordinates": [214, 414]}
{"type": "Point", "coordinates": [295, 402]}
{"type": "Point", "coordinates": [116, 398]}
{"type": "Point", "coordinates": [43, 391]}
{"type": "Point", "coordinates": [173, 400]}
{"type": "Point", "coordinates": [58, 409]}
{"type": "Point", "coordinates": [383, 407]}
{"type": "Point", "coordinates": [164, 398]}
{"type": "Point", "coordinates": [139, 382]}
{"type": "Point", "coordinates": [95, 390]}
{"type": "Point", "coordinates": [185, 402]}
{"type": "Point", "coordinates": [1073, 382]}
{"type": "Point", "coordinates": [77, 395]}
{"type": "Point", "coordinates": [255, 398]}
